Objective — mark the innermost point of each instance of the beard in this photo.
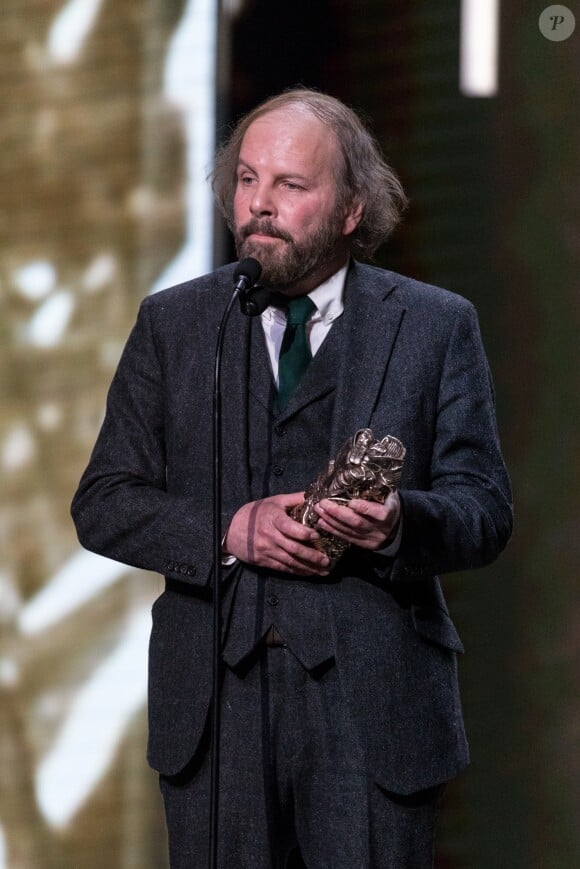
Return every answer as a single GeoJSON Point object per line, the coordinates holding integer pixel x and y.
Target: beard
{"type": "Point", "coordinates": [287, 264]}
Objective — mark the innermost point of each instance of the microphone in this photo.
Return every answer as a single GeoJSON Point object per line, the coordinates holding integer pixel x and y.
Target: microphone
{"type": "Point", "coordinates": [253, 300]}
{"type": "Point", "coordinates": [246, 274]}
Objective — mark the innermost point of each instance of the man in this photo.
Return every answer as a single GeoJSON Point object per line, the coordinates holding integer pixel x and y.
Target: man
{"type": "Point", "coordinates": [341, 717]}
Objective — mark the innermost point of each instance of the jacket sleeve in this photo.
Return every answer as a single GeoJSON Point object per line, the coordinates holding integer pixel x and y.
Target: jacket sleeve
{"type": "Point", "coordinates": [122, 508]}
{"type": "Point", "coordinates": [464, 519]}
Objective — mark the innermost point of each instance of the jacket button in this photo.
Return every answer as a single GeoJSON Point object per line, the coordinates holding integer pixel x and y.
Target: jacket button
{"type": "Point", "coordinates": [280, 430]}
{"type": "Point", "coordinates": [273, 599]}
{"type": "Point", "coordinates": [191, 571]}
{"type": "Point", "coordinates": [277, 470]}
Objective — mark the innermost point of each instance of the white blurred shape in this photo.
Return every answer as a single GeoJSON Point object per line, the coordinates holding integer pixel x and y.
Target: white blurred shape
{"type": "Point", "coordinates": [100, 272]}
{"type": "Point", "coordinates": [90, 736]}
{"type": "Point", "coordinates": [3, 854]}
{"type": "Point", "coordinates": [82, 578]}
{"type": "Point", "coordinates": [478, 74]}
{"type": "Point", "coordinates": [190, 84]}
{"type": "Point", "coordinates": [70, 28]}
{"type": "Point", "coordinates": [18, 449]}
{"type": "Point", "coordinates": [49, 416]}
{"type": "Point", "coordinates": [9, 674]}
{"type": "Point", "coordinates": [49, 322]}
{"type": "Point", "coordinates": [35, 280]}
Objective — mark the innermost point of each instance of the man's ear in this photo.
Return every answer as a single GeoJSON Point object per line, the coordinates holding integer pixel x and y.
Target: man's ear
{"type": "Point", "coordinates": [352, 218]}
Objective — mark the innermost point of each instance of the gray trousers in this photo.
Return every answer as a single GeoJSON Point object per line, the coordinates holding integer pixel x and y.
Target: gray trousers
{"type": "Point", "coordinates": [294, 790]}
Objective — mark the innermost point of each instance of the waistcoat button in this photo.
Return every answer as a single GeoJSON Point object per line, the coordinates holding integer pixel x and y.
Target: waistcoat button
{"type": "Point", "coordinates": [273, 599]}
{"type": "Point", "coordinates": [277, 470]}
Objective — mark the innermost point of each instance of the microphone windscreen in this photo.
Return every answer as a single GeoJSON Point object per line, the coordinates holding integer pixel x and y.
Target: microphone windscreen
{"type": "Point", "coordinates": [255, 301]}
{"type": "Point", "coordinates": [248, 268]}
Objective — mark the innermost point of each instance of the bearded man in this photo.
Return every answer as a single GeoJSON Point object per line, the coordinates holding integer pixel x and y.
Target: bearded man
{"type": "Point", "coordinates": [341, 718]}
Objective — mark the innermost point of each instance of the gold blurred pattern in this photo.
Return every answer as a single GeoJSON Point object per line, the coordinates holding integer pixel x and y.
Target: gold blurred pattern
{"type": "Point", "coordinates": [92, 172]}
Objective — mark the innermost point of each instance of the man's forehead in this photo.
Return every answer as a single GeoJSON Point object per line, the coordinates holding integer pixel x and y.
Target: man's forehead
{"type": "Point", "coordinates": [293, 117]}
{"type": "Point", "coordinates": [292, 113]}
{"type": "Point", "coordinates": [294, 122]}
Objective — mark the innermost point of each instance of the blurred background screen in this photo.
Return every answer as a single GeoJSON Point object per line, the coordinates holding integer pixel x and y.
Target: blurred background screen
{"type": "Point", "coordinates": [110, 111]}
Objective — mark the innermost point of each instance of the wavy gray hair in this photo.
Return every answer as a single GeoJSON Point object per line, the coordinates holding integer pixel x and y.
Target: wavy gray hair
{"type": "Point", "coordinates": [364, 177]}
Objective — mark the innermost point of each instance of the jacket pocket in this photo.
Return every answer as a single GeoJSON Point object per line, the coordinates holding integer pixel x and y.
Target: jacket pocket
{"type": "Point", "coordinates": [435, 625]}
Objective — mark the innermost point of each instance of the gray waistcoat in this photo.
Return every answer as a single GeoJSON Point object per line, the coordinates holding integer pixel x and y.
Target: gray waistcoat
{"type": "Point", "coordinates": [286, 452]}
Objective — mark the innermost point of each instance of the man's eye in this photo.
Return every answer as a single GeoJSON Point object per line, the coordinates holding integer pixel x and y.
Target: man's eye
{"type": "Point", "coordinates": [245, 180]}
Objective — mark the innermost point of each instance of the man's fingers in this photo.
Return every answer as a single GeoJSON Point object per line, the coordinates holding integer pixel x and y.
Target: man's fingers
{"type": "Point", "coordinates": [290, 528]}
{"type": "Point", "coordinates": [343, 517]}
{"type": "Point", "coordinates": [306, 557]}
{"type": "Point", "coordinates": [290, 499]}
{"type": "Point", "coordinates": [365, 523]}
{"type": "Point", "coordinates": [263, 533]}
{"type": "Point", "coordinates": [360, 513]}
{"type": "Point", "coordinates": [304, 562]}
{"type": "Point", "coordinates": [371, 509]}
{"type": "Point", "coordinates": [290, 544]}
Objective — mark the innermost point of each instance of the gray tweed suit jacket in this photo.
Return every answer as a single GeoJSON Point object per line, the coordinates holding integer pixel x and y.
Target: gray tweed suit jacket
{"type": "Point", "coordinates": [415, 368]}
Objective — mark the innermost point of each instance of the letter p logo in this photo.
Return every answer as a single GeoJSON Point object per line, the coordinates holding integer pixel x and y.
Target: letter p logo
{"type": "Point", "coordinates": [557, 23]}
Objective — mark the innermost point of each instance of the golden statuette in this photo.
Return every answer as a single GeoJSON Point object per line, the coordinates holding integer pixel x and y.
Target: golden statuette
{"type": "Point", "coordinates": [363, 468]}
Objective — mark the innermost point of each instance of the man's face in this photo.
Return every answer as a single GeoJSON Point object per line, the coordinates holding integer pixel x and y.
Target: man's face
{"type": "Point", "coordinates": [285, 204]}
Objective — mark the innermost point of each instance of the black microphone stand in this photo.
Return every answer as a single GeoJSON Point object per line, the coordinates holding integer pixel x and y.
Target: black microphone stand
{"type": "Point", "coordinates": [253, 300]}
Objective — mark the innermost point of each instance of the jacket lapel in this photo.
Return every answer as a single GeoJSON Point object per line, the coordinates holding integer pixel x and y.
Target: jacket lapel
{"type": "Point", "coordinates": [372, 319]}
{"type": "Point", "coordinates": [234, 409]}
{"type": "Point", "coordinates": [260, 380]}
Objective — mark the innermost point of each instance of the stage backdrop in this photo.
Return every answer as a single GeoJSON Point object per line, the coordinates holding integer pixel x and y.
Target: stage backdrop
{"type": "Point", "coordinates": [107, 119]}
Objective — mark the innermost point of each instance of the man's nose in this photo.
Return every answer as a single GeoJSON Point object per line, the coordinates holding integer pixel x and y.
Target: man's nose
{"type": "Point", "coordinates": [262, 203]}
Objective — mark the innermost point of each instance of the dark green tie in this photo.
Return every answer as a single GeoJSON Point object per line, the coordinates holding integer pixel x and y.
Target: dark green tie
{"type": "Point", "coordinates": [295, 351]}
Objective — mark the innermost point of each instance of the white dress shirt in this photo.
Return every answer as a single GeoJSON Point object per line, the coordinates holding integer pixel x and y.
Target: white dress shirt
{"type": "Point", "coordinates": [328, 298]}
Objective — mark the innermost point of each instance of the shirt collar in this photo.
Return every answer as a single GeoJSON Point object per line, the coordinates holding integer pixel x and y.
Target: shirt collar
{"type": "Point", "coordinates": [328, 298]}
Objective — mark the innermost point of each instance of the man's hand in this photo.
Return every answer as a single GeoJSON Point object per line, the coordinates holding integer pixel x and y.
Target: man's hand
{"type": "Point", "coordinates": [363, 523]}
{"type": "Point", "coordinates": [262, 533]}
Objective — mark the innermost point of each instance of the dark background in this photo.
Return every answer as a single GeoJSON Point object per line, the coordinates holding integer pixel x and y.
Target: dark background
{"type": "Point", "coordinates": [494, 216]}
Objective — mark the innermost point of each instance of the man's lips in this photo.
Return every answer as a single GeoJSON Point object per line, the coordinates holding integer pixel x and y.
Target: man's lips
{"type": "Point", "coordinates": [264, 232]}
{"type": "Point", "coordinates": [264, 236]}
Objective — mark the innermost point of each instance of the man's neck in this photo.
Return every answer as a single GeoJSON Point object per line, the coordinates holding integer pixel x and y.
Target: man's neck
{"type": "Point", "coordinates": [317, 277]}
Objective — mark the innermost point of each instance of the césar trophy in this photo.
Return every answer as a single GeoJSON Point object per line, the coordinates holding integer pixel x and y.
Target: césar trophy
{"type": "Point", "coordinates": [363, 468]}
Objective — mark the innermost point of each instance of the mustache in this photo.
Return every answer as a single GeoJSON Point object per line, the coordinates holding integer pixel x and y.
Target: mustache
{"type": "Point", "coordinates": [264, 227]}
